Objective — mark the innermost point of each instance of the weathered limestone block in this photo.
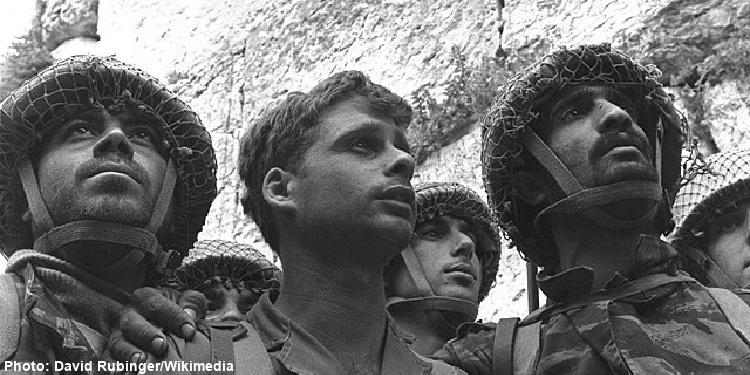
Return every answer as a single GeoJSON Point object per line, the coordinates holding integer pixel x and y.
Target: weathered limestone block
{"type": "Point", "coordinates": [232, 59]}
{"type": "Point", "coordinates": [62, 20]}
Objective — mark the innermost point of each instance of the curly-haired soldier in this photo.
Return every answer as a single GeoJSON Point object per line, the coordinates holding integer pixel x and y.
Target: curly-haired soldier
{"type": "Point", "coordinates": [581, 157]}
{"type": "Point", "coordinates": [106, 178]}
{"type": "Point", "coordinates": [711, 212]}
{"type": "Point", "coordinates": [327, 176]}
{"type": "Point", "coordinates": [231, 275]}
{"type": "Point", "coordinates": [449, 267]}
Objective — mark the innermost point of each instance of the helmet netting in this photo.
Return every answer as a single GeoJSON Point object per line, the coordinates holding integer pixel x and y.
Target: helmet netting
{"type": "Point", "coordinates": [239, 265]}
{"type": "Point", "coordinates": [520, 105]}
{"type": "Point", "coordinates": [721, 183]}
{"type": "Point", "coordinates": [449, 198]}
{"type": "Point", "coordinates": [80, 83]}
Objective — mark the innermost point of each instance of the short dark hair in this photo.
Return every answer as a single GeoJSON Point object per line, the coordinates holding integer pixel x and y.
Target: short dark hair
{"type": "Point", "coordinates": [282, 136]}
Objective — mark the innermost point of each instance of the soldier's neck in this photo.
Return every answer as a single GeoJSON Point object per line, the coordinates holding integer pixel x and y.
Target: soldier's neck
{"type": "Point", "coordinates": [580, 242]}
{"type": "Point", "coordinates": [339, 302]}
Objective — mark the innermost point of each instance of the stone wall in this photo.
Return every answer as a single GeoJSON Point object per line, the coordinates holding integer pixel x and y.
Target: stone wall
{"type": "Point", "coordinates": [231, 59]}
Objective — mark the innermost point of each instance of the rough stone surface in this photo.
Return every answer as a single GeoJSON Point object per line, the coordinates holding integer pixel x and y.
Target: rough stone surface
{"type": "Point", "coordinates": [62, 20]}
{"type": "Point", "coordinates": [231, 59]}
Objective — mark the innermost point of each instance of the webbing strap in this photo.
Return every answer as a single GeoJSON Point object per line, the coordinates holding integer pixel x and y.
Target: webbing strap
{"type": "Point", "coordinates": [526, 348]}
{"type": "Point", "coordinates": [10, 317]}
{"type": "Point", "coordinates": [735, 310]}
{"type": "Point", "coordinates": [658, 140]}
{"type": "Point", "coordinates": [502, 348]}
{"type": "Point", "coordinates": [590, 200]}
{"type": "Point", "coordinates": [251, 355]}
{"type": "Point", "coordinates": [606, 219]}
{"type": "Point", "coordinates": [634, 287]}
{"type": "Point", "coordinates": [602, 195]}
{"type": "Point", "coordinates": [428, 301]}
{"type": "Point", "coordinates": [164, 199]}
{"type": "Point", "coordinates": [416, 272]}
{"type": "Point", "coordinates": [567, 182]}
{"type": "Point", "coordinates": [37, 207]}
{"type": "Point", "coordinates": [93, 230]}
{"type": "Point", "coordinates": [716, 275]}
{"type": "Point", "coordinates": [222, 349]}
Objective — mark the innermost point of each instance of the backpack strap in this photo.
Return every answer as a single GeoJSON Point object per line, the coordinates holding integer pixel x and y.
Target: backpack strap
{"type": "Point", "coordinates": [516, 347]}
{"type": "Point", "coordinates": [251, 356]}
{"type": "Point", "coordinates": [502, 348]}
{"type": "Point", "coordinates": [735, 309]}
{"type": "Point", "coordinates": [10, 317]}
{"type": "Point", "coordinates": [526, 348]}
{"type": "Point", "coordinates": [222, 349]}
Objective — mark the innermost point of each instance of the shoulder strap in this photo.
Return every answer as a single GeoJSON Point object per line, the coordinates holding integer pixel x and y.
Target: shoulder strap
{"type": "Point", "coordinates": [735, 309]}
{"type": "Point", "coordinates": [516, 347]}
{"type": "Point", "coordinates": [634, 287]}
{"type": "Point", "coordinates": [250, 354]}
{"type": "Point", "coordinates": [502, 348]}
{"type": "Point", "coordinates": [221, 346]}
{"type": "Point", "coordinates": [10, 317]}
{"type": "Point", "coordinates": [526, 348]}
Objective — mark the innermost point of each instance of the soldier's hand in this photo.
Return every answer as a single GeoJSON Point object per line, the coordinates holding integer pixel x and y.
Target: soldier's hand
{"type": "Point", "coordinates": [137, 335]}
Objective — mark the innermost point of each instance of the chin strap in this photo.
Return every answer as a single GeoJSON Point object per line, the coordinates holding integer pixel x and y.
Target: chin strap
{"type": "Point", "coordinates": [143, 241]}
{"type": "Point", "coordinates": [590, 201]}
{"type": "Point", "coordinates": [716, 276]}
{"type": "Point", "coordinates": [467, 311]}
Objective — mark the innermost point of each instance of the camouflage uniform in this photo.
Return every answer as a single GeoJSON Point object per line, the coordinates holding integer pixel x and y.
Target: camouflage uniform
{"type": "Point", "coordinates": [66, 313]}
{"type": "Point", "coordinates": [655, 318]}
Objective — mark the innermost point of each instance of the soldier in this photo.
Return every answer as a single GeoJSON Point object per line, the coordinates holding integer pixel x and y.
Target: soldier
{"type": "Point", "coordinates": [438, 281]}
{"type": "Point", "coordinates": [711, 212]}
{"type": "Point", "coordinates": [106, 179]}
{"type": "Point", "coordinates": [327, 176]}
{"type": "Point", "coordinates": [231, 275]}
{"type": "Point", "coordinates": [581, 154]}
{"type": "Point", "coordinates": [328, 181]}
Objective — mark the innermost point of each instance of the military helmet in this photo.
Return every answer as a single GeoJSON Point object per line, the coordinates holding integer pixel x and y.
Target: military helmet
{"type": "Point", "coordinates": [723, 181]}
{"type": "Point", "coordinates": [453, 199]}
{"type": "Point", "coordinates": [518, 111]}
{"type": "Point", "coordinates": [228, 262]}
{"type": "Point", "coordinates": [80, 83]}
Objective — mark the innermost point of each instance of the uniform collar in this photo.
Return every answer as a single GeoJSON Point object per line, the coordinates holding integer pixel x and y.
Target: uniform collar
{"type": "Point", "coordinates": [299, 352]}
{"type": "Point", "coordinates": [652, 255]}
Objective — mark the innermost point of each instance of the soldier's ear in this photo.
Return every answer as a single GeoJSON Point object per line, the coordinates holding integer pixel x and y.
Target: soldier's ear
{"type": "Point", "coordinates": [279, 188]}
{"type": "Point", "coordinates": [530, 187]}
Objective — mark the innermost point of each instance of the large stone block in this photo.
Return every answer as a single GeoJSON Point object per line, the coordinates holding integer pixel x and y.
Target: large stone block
{"type": "Point", "coordinates": [62, 20]}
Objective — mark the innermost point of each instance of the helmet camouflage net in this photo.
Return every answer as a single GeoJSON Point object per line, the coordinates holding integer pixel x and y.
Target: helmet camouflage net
{"type": "Point", "coordinates": [239, 264]}
{"type": "Point", "coordinates": [520, 107]}
{"type": "Point", "coordinates": [80, 83]}
{"type": "Point", "coordinates": [723, 182]}
{"type": "Point", "coordinates": [453, 199]}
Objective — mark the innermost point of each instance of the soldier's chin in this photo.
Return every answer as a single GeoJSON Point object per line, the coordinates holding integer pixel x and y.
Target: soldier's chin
{"type": "Point", "coordinates": [120, 214]}
{"type": "Point", "coordinates": [628, 172]}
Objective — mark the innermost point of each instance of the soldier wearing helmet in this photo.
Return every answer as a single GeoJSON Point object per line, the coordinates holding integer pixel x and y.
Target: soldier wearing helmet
{"type": "Point", "coordinates": [711, 212]}
{"type": "Point", "coordinates": [106, 178]}
{"type": "Point", "coordinates": [581, 157]}
{"type": "Point", "coordinates": [231, 275]}
{"type": "Point", "coordinates": [438, 281]}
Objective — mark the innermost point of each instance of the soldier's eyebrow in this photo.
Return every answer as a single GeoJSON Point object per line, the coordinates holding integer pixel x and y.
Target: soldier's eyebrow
{"type": "Point", "coordinates": [581, 95]}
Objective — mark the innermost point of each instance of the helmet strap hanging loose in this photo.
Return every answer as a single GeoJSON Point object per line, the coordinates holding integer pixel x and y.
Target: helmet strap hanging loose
{"type": "Point", "coordinates": [589, 201]}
